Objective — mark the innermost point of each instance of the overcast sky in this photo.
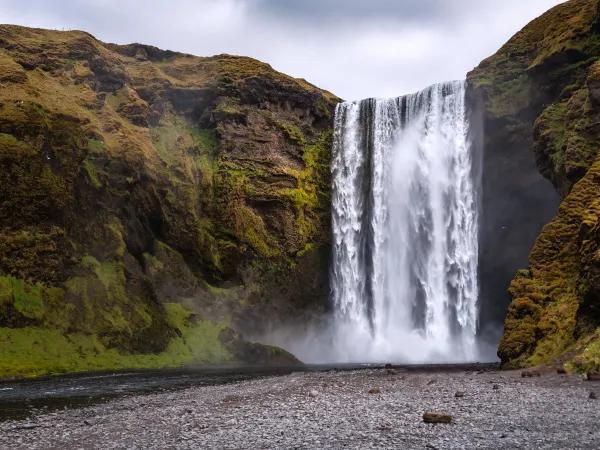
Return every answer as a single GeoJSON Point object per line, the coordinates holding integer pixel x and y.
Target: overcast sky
{"type": "Point", "coordinates": [354, 48]}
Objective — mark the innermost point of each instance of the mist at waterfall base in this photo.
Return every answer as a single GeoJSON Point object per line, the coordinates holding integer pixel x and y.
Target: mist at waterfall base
{"type": "Point", "coordinates": [405, 224]}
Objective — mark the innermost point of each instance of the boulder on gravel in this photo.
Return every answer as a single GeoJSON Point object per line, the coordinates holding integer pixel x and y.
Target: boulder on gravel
{"type": "Point", "coordinates": [374, 390]}
{"type": "Point", "coordinates": [530, 374]}
{"type": "Point", "coordinates": [433, 417]}
{"type": "Point", "coordinates": [593, 396]}
{"type": "Point", "coordinates": [460, 394]}
{"type": "Point", "coordinates": [593, 375]}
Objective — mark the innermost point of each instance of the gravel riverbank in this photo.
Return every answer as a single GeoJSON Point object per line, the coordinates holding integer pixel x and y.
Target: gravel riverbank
{"type": "Point", "coordinates": [333, 410]}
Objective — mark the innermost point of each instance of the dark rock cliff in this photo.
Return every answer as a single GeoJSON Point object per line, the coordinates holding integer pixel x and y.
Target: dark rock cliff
{"type": "Point", "coordinates": [152, 202]}
{"type": "Point", "coordinates": [539, 97]}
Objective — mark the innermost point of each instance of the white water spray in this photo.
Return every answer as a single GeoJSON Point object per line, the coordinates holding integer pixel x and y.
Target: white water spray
{"type": "Point", "coordinates": [405, 228]}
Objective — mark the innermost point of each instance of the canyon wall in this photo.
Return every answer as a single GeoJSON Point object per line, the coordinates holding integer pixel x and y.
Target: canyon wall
{"type": "Point", "coordinates": [540, 102]}
{"type": "Point", "coordinates": [154, 204]}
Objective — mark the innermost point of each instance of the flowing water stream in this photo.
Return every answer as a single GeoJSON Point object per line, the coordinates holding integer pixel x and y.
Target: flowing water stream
{"type": "Point", "coordinates": [405, 226]}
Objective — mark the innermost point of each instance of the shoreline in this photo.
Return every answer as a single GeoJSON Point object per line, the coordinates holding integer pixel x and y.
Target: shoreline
{"type": "Point", "coordinates": [21, 398]}
{"type": "Point", "coordinates": [333, 410]}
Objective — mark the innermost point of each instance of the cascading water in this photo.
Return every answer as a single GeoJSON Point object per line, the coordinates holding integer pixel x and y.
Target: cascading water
{"type": "Point", "coordinates": [405, 228]}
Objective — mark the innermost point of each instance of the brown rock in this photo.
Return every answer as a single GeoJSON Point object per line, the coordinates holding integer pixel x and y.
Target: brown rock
{"type": "Point", "coordinates": [593, 375]}
{"type": "Point", "coordinates": [561, 371]}
{"type": "Point", "coordinates": [530, 374]}
{"type": "Point", "coordinates": [432, 417]}
{"type": "Point", "coordinates": [374, 390]}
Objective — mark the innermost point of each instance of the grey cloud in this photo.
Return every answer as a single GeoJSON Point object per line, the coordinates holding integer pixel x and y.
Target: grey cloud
{"type": "Point", "coordinates": [320, 10]}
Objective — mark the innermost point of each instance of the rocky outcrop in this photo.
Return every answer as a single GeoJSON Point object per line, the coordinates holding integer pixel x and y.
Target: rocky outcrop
{"type": "Point", "coordinates": [539, 95]}
{"type": "Point", "coordinates": [153, 202]}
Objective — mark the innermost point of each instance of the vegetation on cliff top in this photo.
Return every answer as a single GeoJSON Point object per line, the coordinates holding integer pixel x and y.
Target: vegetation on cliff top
{"type": "Point", "coordinates": [135, 180]}
{"type": "Point", "coordinates": [543, 63]}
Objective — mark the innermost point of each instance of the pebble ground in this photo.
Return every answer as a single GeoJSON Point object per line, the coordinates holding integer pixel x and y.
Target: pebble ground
{"type": "Point", "coordinates": [333, 410]}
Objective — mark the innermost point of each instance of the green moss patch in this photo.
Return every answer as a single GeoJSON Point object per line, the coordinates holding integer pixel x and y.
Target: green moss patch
{"type": "Point", "coordinates": [32, 351]}
{"type": "Point", "coordinates": [588, 358]}
{"type": "Point", "coordinates": [50, 347]}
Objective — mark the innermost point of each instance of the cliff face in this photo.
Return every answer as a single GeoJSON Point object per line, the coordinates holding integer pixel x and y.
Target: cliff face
{"type": "Point", "coordinates": [540, 94]}
{"type": "Point", "coordinates": [152, 202]}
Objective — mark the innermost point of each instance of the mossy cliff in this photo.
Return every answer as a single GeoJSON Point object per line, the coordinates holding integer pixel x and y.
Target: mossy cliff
{"type": "Point", "coordinates": [542, 92]}
{"type": "Point", "coordinates": [152, 202]}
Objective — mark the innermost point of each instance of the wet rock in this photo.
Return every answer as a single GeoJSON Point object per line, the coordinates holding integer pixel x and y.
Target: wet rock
{"type": "Point", "coordinates": [459, 394]}
{"type": "Point", "coordinates": [593, 396]}
{"type": "Point", "coordinates": [433, 417]}
{"type": "Point", "coordinates": [27, 426]}
{"type": "Point", "coordinates": [530, 374]}
{"type": "Point", "coordinates": [593, 375]}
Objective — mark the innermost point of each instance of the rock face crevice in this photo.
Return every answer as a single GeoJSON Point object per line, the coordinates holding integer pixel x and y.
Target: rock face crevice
{"type": "Point", "coordinates": [154, 204]}
{"type": "Point", "coordinates": [538, 93]}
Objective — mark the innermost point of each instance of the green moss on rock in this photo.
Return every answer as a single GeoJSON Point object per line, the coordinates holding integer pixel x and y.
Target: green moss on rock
{"type": "Point", "coordinates": [549, 71]}
{"type": "Point", "coordinates": [129, 184]}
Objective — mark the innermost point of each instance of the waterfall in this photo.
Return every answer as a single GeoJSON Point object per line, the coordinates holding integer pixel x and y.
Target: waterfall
{"type": "Point", "coordinates": [405, 227]}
